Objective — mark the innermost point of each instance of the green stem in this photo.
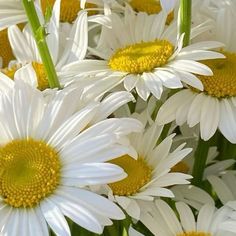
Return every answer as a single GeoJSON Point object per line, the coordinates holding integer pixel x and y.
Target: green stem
{"type": "Point", "coordinates": [39, 35]}
{"type": "Point", "coordinates": [200, 161]}
{"type": "Point", "coordinates": [226, 149]}
{"type": "Point", "coordinates": [185, 20]}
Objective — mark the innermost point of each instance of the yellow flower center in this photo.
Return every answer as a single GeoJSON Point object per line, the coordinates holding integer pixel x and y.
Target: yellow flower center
{"type": "Point", "coordinates": [39, 70]}
{"type": "Point", "coordinates": [5, 48]}
{"type": "Point", "coordinates": [139, 173]}
{"type": "Point", "coordinates": [223, 82]}
{"type": "Point", "coordinates": [141, 57]}
{"type": "Point", "coordinates": [10, 71]}
{"type": "Point", "coordinates": [69, 9]}
{"type": "Point", "coordinates": [150, 7]}
{"type": "Point", "coordinates": [29, 171]}
{"type": "Point", "coordinates": [181, 167]}
{"type": "Point", "coordinates": [194, 234]}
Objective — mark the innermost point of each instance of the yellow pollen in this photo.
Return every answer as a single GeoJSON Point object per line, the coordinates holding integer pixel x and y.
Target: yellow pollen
{"type": "Point", "coordinates": [69, 9]}
{"type": "Point", "coordinates": [181, 167]}
{"type": "Point", "coordinates": [5, 48]}
{"type": "Point", "coordinates": [139, 173]}
{"type": "Point", "coordinates": [223, 82]}
{"type": "Point", "coordinates": [141, 57]}
{"type": "Point", "coordinates": [150, 7]}
{"type": "Point", "coordinates": [194, 234]}
{"type": "Point", "coordinates": [29, 172]}
{"type": "Point", "coordinates": [41, 76]}
{"type": "Point", "coordinates": [39, 70]}
{"type": "Point", "coordinates": [10, 72]}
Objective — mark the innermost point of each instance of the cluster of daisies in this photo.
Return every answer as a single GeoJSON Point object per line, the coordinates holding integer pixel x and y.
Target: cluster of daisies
{"type": "Point", "coordinates": [139, 136]}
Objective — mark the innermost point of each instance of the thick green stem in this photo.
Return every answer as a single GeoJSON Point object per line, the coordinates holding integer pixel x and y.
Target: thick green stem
{"type": "Point", "coordinates": [200, 161]}
{"type": "Point", "coordinates": [39, 35]}
{"type": "Point", "coordinates": [185, 20]}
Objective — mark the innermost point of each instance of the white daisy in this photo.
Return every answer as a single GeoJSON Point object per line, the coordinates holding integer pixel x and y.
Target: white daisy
{"type": "Point", "coordinates": [47, 157]}
{"type": "Point", "coordinates": [146, 59]}
{"type": "Point", "coordinates": [26, 52]}
{"type": "Point", "coordinates": [150, 174]}
{"type": "Point", "coordinates": [215, 106]}
{"type": "Point", "coordinates": [163, 221]}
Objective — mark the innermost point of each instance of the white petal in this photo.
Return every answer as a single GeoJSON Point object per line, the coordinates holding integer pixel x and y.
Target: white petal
{"type": "Point", "coordinates": [142, 90]}
{"type": "Point", "coordinates": [227, 124]}
{"type": "Point", "coordinates": [111, 103]}
{"type": "Point", "coordinates": [205, 45]}
{"type": "Point", "coordinates": [69, 129]}
{"type": "Point", "coordinates": [37, 224]}
{"type": "Point", "coordinates": [19, 44]}
{"type": "Point", "coordinates": [84, 218]}
{"type": "Point", "coordinates": [221, 189]}
{"type": "Point", "coordinates": [205, 218]}
{"type": "Point", "coordinates": [191, 66]}
{"type": "Point", "coordinates": [27, 74]}
{"type": "Point", "coordinates": [53, 31]}
{"type": "Point", "coordinates": [210, 116]}
{"type": "Point", "coordinates": [130, 82]}
{"type": "Point", "coordinates": [154, 84]}
{"type": "Point", "coordinates": [92, 173]}
{"type": "Point", "coordinates": [186, 217]}
{"type": "Point", "coordinates": [131, 207]}
{"type": "Point", "coordinates": [183, 110]}
{"type": "Point", "coordinates": [194, 113]}
{"type": "Point", "coordinates": [228, 226]}
{"type": "Point", "coordinates": [55, 218]}
{"type": "Point", "coordinates": [191, 80]}
{"type": "Point", "coordinates": [167, 112]}
{"type": "Point", "coordinates": [93, 202]}
{"type": "Point", "coordinates": [169, 217]}
{"type": "Point", "coordinates": [169, 79]}
{"type": "Point", "coordinates": [198, 55]}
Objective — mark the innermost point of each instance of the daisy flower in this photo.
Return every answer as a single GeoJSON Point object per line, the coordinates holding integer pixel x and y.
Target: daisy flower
{"type": "Point", "coordinates": [163, 221]}
{"type": "Point", "coordinates": [48, 158]}
{"type": "Point", "coordinates": [215, 106]}
{"type": "Point", "coordinates": [146, 59]}
{"type": "Point", "coordinates": [149, 175]}
{"type": "Point", "coordinates": [62, 51]}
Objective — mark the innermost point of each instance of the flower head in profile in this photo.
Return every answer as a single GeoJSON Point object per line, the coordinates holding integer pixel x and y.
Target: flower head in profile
{"type": "Point", "coordinates": [48, 156]}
